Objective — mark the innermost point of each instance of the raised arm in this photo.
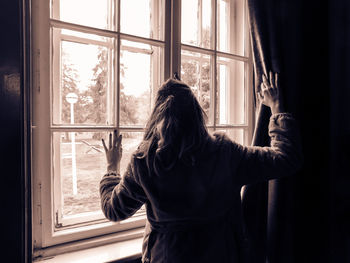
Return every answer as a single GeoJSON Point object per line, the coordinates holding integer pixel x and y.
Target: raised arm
{"type": "Point", "coordinates": [283, 156]}
{"type": "Point", "coordinates": [120, 196]}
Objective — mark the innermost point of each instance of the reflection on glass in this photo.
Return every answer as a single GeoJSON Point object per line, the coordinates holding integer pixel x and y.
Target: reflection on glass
{"type": "Point", "coordinates": [140, 71]}
{"type": "Point", "coordinates": [196, 23]}
{"type": "Point", "coordinates": [143, 18]}
{"type": "Point", "coordinates": [86, 71]}
{"type": "Point", "coordinates": [81, 12]}
{"type": "Point", "coordinates": [231, 26]}
{"type": "Point", "coordinates": [231, 92]}
{"type": "Point", "coordinates": [90, 166]}
{"type": "Point", "coordinates": [236, 135]}
{"type": "Point", "coordinates": [195, 72]}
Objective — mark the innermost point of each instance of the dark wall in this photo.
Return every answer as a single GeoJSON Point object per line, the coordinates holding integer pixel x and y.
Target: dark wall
{"type": "Point", "coordinates": [322, 197]}
{"type": "Point", "coordinates": [315, 46]}
{"type": "Point", "coordinates": [339, 41]}
{"type": "Point", "coordinates": [312, 189]}
{"type": "Point", "coordinates": [319, 43]}
{"type": "Point", "coordinates": [12, 191]}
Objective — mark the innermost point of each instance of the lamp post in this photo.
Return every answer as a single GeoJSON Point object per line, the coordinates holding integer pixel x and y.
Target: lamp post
{"type": "Point", "coordinates": [72, 98]}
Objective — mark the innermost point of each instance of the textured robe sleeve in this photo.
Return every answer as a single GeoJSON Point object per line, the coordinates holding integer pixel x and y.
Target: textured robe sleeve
{"type": "Point", "coordinates": [283, 156]}
{"type": "Point", "coordinates": [120, 196]}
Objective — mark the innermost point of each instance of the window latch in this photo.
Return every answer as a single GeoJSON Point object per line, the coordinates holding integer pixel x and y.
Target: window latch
{"type": "Point", "coordinates": [176, 76]}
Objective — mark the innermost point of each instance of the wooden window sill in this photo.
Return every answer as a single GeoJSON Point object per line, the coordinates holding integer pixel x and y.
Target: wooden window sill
{"type": "Point", "coordinates": [109, 248]}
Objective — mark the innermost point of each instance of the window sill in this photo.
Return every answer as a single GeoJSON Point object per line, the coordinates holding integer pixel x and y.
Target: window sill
{"type": "Point", "coordinates": [108, 248]}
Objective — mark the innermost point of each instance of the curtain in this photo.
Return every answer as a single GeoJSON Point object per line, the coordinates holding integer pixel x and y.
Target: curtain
{"type": "Point", "coordinates": [266, 205]}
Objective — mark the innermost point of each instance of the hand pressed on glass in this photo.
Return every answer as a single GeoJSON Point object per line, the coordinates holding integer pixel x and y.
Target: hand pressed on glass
{"type": "Point", "coordinates": [114, 151]}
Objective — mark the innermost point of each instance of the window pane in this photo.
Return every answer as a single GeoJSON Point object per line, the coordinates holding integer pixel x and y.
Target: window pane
{"type": "Point", "coordinates": [79, 164]}
{"type": "Point", "coordinates": [84, 71]}
{"type": "Point", "coordinates": [143, 18]}
{"type": "Point", "coordinates": [237, 135]}
{"type": "Point", "coordinates": [130, 142]}
{"type": "Point", "coordinates": [196, 73]}
{"type": "Point", "coordinates": [231, 92]}
{"type": "Point", "coordinates": [196, 16]}
{"type": "Point", "coordinates": [81, 12]}
{"type": "Point", "coordinates": [141, 71]}
{"type": "Point", "coordinates": [231, 26]}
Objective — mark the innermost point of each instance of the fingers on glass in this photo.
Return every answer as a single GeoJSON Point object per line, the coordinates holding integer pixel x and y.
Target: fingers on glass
{"type": "Point", "coordinates": [119, 141]}
{"type": "Point", "coordinates": [104, 145]}
{"type": "Point", "coordinates": [113, 140]}
{"type": "Point", "coordinates": [115, 132]}
{"type": "Point", "coordinates": [110, 140]}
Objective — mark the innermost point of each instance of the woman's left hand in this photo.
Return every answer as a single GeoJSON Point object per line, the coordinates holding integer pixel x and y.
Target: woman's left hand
{"type": "Point", "coordinates": [114, 151]}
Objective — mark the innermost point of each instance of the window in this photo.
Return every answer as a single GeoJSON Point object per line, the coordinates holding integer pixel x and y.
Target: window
{"type": "Point", "coordinates": [215, 63]}
{"type": "Point", "coordinates": [97, 66]}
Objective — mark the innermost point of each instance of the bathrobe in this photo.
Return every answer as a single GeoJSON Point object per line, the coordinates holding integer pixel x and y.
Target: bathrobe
{"type": "Point", "coordinates": [194, 211]}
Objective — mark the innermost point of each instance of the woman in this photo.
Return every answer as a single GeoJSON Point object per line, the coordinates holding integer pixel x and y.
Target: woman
{"type": "Point", "coordinates": [191, 181]}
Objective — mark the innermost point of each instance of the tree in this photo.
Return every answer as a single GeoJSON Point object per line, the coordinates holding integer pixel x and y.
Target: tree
{"type": "Point", "coordinates": [94, 98]}
{"type": "Point", "coordinates": [70, 78]}
{"type": "Point", "coordinates": [127, 103]}
{"type": "Point", "coordinates": [196, 74]}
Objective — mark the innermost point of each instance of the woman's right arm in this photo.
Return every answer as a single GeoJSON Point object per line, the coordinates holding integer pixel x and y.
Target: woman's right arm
{"type": "Point", "coordinates": [283, 156]}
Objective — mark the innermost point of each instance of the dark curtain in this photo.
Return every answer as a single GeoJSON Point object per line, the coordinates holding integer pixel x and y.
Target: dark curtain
{"type": "Point", "coordinates": [266, 206]}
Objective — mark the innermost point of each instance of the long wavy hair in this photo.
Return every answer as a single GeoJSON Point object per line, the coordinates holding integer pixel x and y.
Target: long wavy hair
{"type": "Point", "coordinates": [175, 131]}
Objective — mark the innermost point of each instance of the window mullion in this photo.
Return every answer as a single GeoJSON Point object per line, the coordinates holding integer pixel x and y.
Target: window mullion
{"type": "Point", "coordinates": [175, 62]}
{"type": "Point", "coordinates": [117, 43]}
{"type": "Point", "coordinates": [167, 39]}
{"type": "Point", "coordinates": [214, 66]}
{"type": "Point", "coordinates": [200, 22]}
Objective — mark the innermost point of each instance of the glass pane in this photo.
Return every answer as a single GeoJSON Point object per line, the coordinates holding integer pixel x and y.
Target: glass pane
{"type": "Point", "coordinates": [130, 142]}
{"type": "Point", "coordinates": [82, 83]}
{"type": "Point", "coordinates": [231, 106]}
{"type": "Point", "coordinates": [236, 135]}
{"type": "Point", "coordinates": [143, 18]}
{"type": "Point", "coordinates": [79, 164]}
{"type": "Point", "coordinates": [231, 26]}
{"type": "Point", "coordinates": [196, 73]}
{"type": "Point", "coordinates": [196, 16]}
{"type": "Point", "coordinates": [81, 12]}
{"type": "Point", "coordinates": [141, 71]}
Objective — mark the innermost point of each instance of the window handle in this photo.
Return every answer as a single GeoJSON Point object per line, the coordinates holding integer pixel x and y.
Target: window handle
{"type": "Point", "coordinates": [176, 76]}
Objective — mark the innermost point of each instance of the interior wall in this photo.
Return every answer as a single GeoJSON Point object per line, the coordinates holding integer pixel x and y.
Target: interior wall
{"type": "Point", "coordinates": [339, 41]}
{"type": "Point", "coordinates": [312, 189]}
{"type": "Point", "coordinates": [11, 109]}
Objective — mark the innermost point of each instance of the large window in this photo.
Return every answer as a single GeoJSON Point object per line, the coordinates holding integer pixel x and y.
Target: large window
{"type": "Point", "coordinates": [97, 66]}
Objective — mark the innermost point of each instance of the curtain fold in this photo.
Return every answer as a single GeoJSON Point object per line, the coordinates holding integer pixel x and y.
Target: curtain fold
{"type": "Point", "coordinates": [260, 201]}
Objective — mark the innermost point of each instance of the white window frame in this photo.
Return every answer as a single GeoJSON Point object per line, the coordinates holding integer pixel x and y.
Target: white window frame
{"type": "Point", "coordinates": [44, 234]}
